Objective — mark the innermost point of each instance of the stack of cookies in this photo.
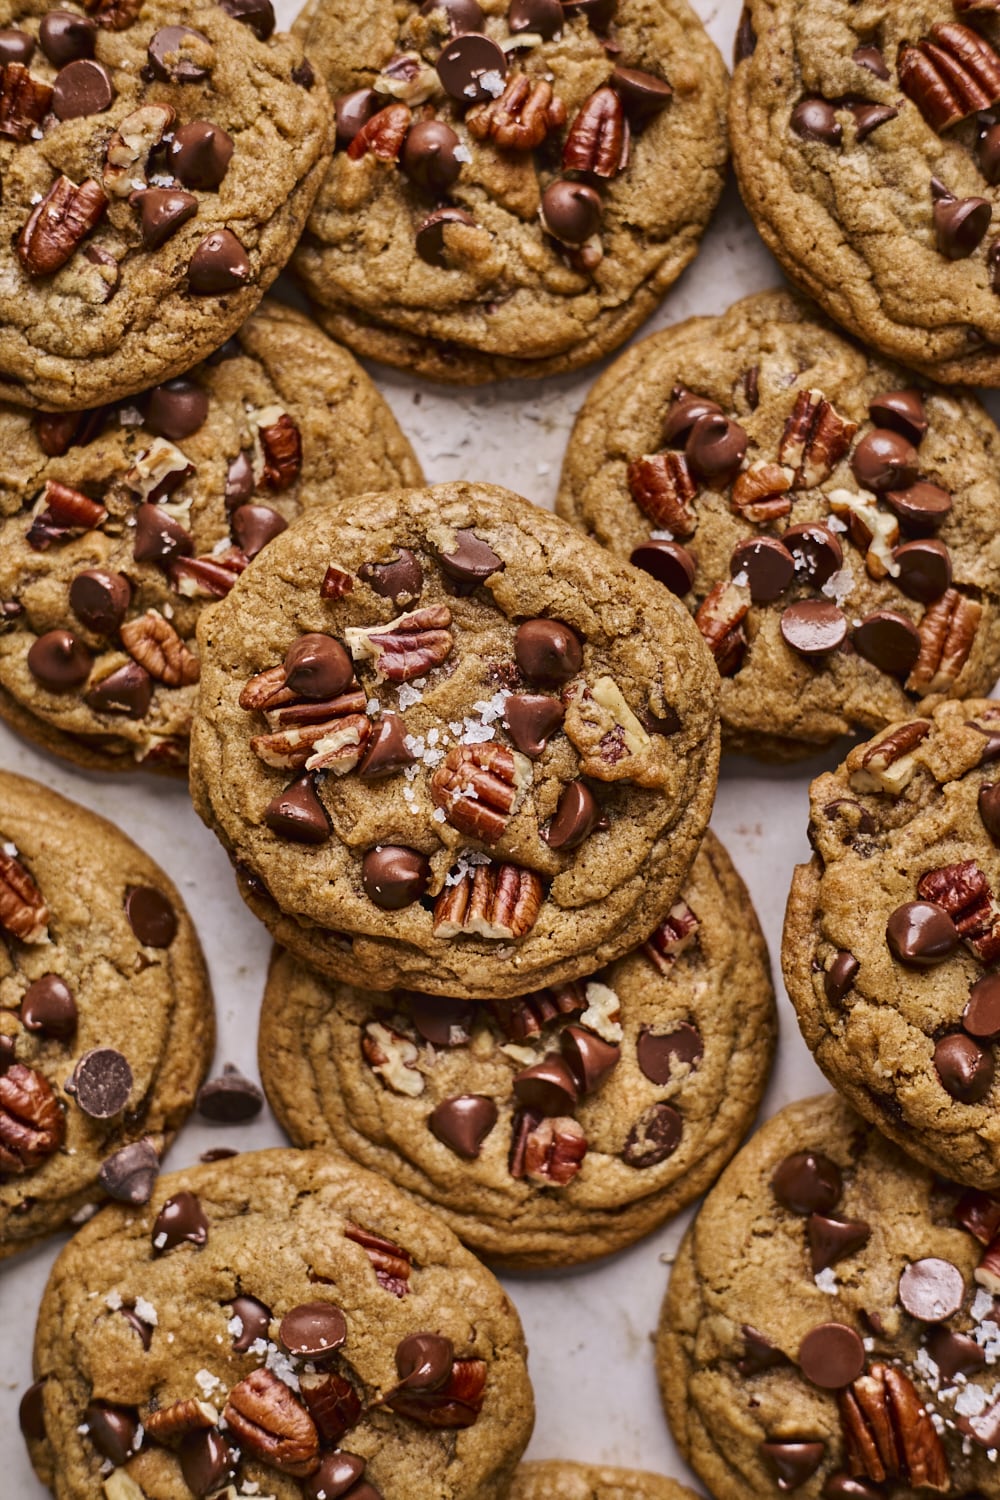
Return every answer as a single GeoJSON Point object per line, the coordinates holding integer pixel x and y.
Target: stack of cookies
{"type": "Point", "coordinates": [462, 753]}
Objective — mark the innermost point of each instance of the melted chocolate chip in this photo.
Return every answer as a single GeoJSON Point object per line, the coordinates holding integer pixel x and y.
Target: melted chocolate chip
{"type": "Point", "coordinates": [431, 244]}
{"type": "Point", "coordinates": [816, 551]}
{"type": "Point", "coordinates": [572, 211]}
{"type": "Point", "coordinates": [832, 1356]}
{"type": "Point", "coordinates": [317, 667]}
{"type": "Point", "coordinates": [716, 448]}
{"type": "Point", "coordinates": [576, 817]}
{"type": "Point", "coordinates": [815, 119]}
{"type": "Point", "coordinates": [313, 1330]}
{"type": "Point", "coordinates": [684, 411]}
{"type": "Point", "coordinates": [960, 225]}
{"type": "Point", "coordinates": [253, 526]}
{"type": "Point", "coordinates": [82, 88]}
{"type": "Point", "coordinates": [127, 691]}
{"type": "Point", "coordinates": [17, 46]}
{"type": "Point", "coordinates": [840, 976]}
{"type": "Point", "coordinates": [256, 1321]}
{"type": "Point", "coordinates": [400, 580]}
{"type": "Point", "coordinates": [151, 916]}
{"type": "Point", "coordinates": [337, 1476]}
{"type": "Point", "coordinates": [199, 154]}
{"type": "Point", "coordinates": [901, 411]}
{"type": "Point", "coordinates": [884, 460]}
{"type": "Point", "coordinates": [257, 14]}
{"type": "Point", "coordinates": [643, 95]}
{"type": "Point", "coordinates": [297, 814]}
{"type": "Point", "coordinates": [172, 54]}
{"type": "Point", "coordinates": [471, 560]}
{"type": "Point", "coordinates": [58, 661]}
{"type": "Point", "coordinates": [48, 1007]}
{"type": "Point", "coordinates": [101, 1083]}
{"type": "Point", "coordinates": [760, 1353]}
{"type": "Point", "coordinates": [921, 508]}
{"type": "Point", "coordinates": [870, 58]}
{"type": "Point", "coordinates": [807, 1182]}
{"type": "Point", "coordinates": [813, 627]}
{"type": "Point", "coordinates": [463, 1122]}
{"type": "Point", "coordinates": [668, 562]}
{"type": "Point", "coordinates": [394, 877]}
{"type": "Point", "coordinates": [424, 1361]}
{"type": "Point", "coordinates": [113, 1430]}
{"type": "Point", "coordinates": [660, 1052]}
{"type": "Point", "coordinates": [63, 36]}
{"type": "Point", "coordinates": [219, 264]}
{"type": "Point", "coordinates": [31, 1410]}
{"type": "Point", "coordinates": [547, 652]}
{"type": "Point", "coordinates": [543, 17]}
{"type": "Point", "coordinates": [180, 1221]}
{"type": "Point", "coordinates": [889, 641]}
{"type": "Point", "coordinates": [921, 933]}
{"type": "Point", "coordinates": [240, 481]}
{"type": "Point", "coordinates": [768, 565]}
{"type": "Point", "coordinates": [531, 721]}
{"type": "Point", "coordinates": [924, 570]}
{"type": "Point", "coordinates": [207, 1462]}
{"type": "Point", "coordinates": [981, 1017]}
{"type": "Point", "coordinates": [429, 156]}
{"type": "Point", "coordinates": [547, 1086]}
{"type": "Point", "coordinates": [964, 1067]}
{"type": "Point", "coordinates": [654, 1136]}
{"type": "Point", "coordinates": [442, 1022]}
{"type": "Point", "coordinates": [129, 1175]}
{"type": "Point", "coordinates": [461, 15]}
{"type": "Point", "coordinates": [792, 1463]}
{"type": "Point", "coordinates": [989, 809]}
{"type": "Point", "coordinates": [158, 538]}
{"type": "Point", "coordinates": [955, 1353]}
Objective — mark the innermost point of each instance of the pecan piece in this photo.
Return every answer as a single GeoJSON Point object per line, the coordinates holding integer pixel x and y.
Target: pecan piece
{"type": "Point", "coordinates": [612, 743]}
{"type": "Point", "coordinates": [383, 135]}
{"type": "Point", "coordinates": [760, 493]}
{"type": "Point", "coordinates": [154, 643]}
{"type": "Point", "coordinates": [598, 139]}
{"type": "Point", "coordinates": [158, 470]}
{"type": "Point", "coordinates": [815, 439]}
{"type": "Point", "coordinates": [456, 1404]}
{"type": "Point", "coordinates": [874, 531]}
{"type": "Point", "coordinates": [674, 936]}
{"type": "Point", "coordinates": [405, 648]}
{"type": "Point", "coordinates": [207, 577]}
{"type": "Point", "coordinates": [59, 224]}
{"type": "Point", "coordinates": [392, 1057]}
{"type": "Point", "coordinates": [336, 745]}
{"type": "Point", "coordinates": [265, 691]}
{"type": "Point", "coordinates": [947, 636]}
{"type": "Point", "coordinates": [491, 901]}
{"type": "Point", "coordinates": [268, 1422]}
{"type": "Point", "coordinates": [61, 511]}
{"type": "Point", "coordinates": [392, 1264]}
{"type": "Point", "coordinates": [887, 1433]}
{"type": "Point", "coordinates": [525, 1015]}
{"type": "Point", "coordinates": [720, 619]}
{"type": "Point", "coordinates": [113, 15]}
{"type": "Point", "coordinates": [24, 102]}
{"type": "Point", "coordinates": [280, 458]}
{"type": "Point", "coordinates": [129, 148]}
{"type": "Point", "coordinates": [333, 1404]}
{"type": "Point", "coordinates": [521, 118]}
{"type": "Point", "coordinates": [480, 788]}
{"type": "Point", "coordinates": [886, 764]}
{"type": "Point", "coordinates": [32, 1125]}
{"type": "Point", "coordinates": [169, 1424]}
{"type": "Point", "coordinates": [662, 486]}
{"type": "Point", "coordinates": [553, 1151]}
{"type": "Point", "coordinates": [950, 75]}
{"type": "Point", "coordinates": [336, 583]}
{"type": "Point", "coordinates": [23, 912]}
{"type": "Point", "coordinates": [964, 892]}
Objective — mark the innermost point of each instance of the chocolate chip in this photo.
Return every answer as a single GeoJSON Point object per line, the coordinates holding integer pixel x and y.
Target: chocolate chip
{"type": "Point", "coordinates": [304, 74]}
{"type": "Point", "coordinates": [101, 1083]}
{"type": "Point", "coordinates": [921, 508]}
{"type": "Point", "coordinates": [960, 225]}
{"type": "Point", "coordinates": [840, 976]}
{"type": "Point", "coordinates": [760, 1354]}
{"type": "Point", "coordinates": [832, 1356]}
{"type": "Point", "coordinates": [471, 560]}
{"type": "Point", "coordinates": [207, 1462]}
{"type": "Point", "coordinates": [337, 1475]}
{"type": "Point", "coordinates": [180, 1221]}
{"type": "Point", "coordinates": [424, 1361]}
{"type": "Point", "coordinates": [253, 526]}
{"type": "Point", "coordinates": [964, 1067]}
{"type": "Point", "coordinates": [816, 120]}
{"type": "Point", "coordinates": [162, 211]}
{"type": "Point", "coordinates": [843, 1487]}
{"type": "Point", "coordinates": [833, 1240]}
{"type": "Point", "coordinates": [430, 239]}
{"type": "Point", "coordinates": [199, 154]}
{"type": "Point", "coordinates": [353, 111]}
{"type": "Point", "coordinates": [954, 1353]}
{"type": "Point", "coordinates": [17, 46]}
{"type": "Point", "coordinates": [715, 449]}
{"type": "Point", "coordinates": [151, 916]}
{"type": "Point", "coordinates": [219, 264]}
{"type": "Point", "coordinates": [172, 55]}
{"type": "Point", "coordinates": [889, 641]}
{"type": "Point", "coordinates": [159, 538]}
{"type": "Point", "coordinates": [576, 817]}
{"type": "Point", "coordinates": [441, 1021]}
{"type": "Point", "coordinates": [82, 88]}
{"type": "Point", "coordinates": [870, 58]}
{"type": "Point", "coordinates": [981, 1017]}
{"type": "Point", "coordinates": [59, 661]}
{"type": "Point", "coordinates": [548, 652]}
{"type": "Point", "coordinates": [544, 17]}
{"type": "Point", "coordinates": [792, 1463]}
{"type": "Point", "coordinates": [218, 1153]}
{"type": "Point", "coordinates": [885, 460]}
{"type": "Point", "coordinates": [313, 1330]}
{"type": "Point", "coordinates": [921, 933]}
{"type": "Point", "coordinates": [816, 551]}
{"type": "Point", "coordinates": [683, 412]}
{"type": "Point", "coordinates": [31, 1410]}
{"type": "Point", "coordinates": [428, 156]}
{"type": "Point", "coordinates": [470, 67]}
{"type": "Point", "coordinates": [531, 720]}
{"type": "Point", "coordinates": [659, 1052]}
{"type": "Point", "coordinates": [768, 565]}
{"type": "Point", "coordinates": [989, 809]}
{"type": "Point", "coordinates": [589, 1058]}
{"type": "Point", "coordinates": [48, 1007]}
{"type": "Point", "coordinates": [400, 580]}
{"type": "Point", "coordinates": [63, 36]}
{"type": "Point", "coordinates": [257, 14]}
{"type": "Point", "coordinates": [931, 1290]}
{"type": "Point", "coordinates": [317, 667]}
{"type": "Point", "coordinates": [988, 152]}
{"type": "Point", "coordinates": [387, 750]}
{"type": "Point", "coordinates": [668, 562]}
{"type": "Point", "coordinates": [813, 627]}
{"type": "Point", "coordinates": [807, 1182]}
{"type": "Point", "coordinates": [176, 409]}
{"type": "Point", "coordinates": [547, 1086]}
{"type": "Point", "coordinates": [462, 1123]}
{"type": "Point", "coordinates": [129, 1175]}
{"type": "Point", "coordinates": [8, 1052]}
{"type": "Point", "coordinates": [599, 13]}
{"type": "Point", "coordinates": [127, 691]}
{"type": "Point", "coordinates": [297, 814]}
{"type": "Point", "coordinates": [240, 481]}
{"type": "Point", "coordinates": [643, 95]}
{"type": "Point", "coordinates": [394, 877]}
{"type": "Point", "coordinates": [870, 117]}
{"type": "Point", "coordinates": [113, 1430]}
{"type": "Point", "coordinates": [461, 15]}
{"type": "Point", "coordinates": [230, 1099]}
{"type": "Point", "coordinates": [256, 1321]}
{"type": "Point", "coordinates": [654, 1136]}
{"type": "Point", "coordinates": [924, 570]}
{"type": "Point", "coordinates": [901, 411]}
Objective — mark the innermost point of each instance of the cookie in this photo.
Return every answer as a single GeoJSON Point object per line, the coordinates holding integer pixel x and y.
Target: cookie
{"type": "Point", "coordinates": [158, 163]}
{"type": "Point", "coordinates": [117, 525]}
{"type": "Point", "coordinates": [451, 745]}
{"type": "Point", "coordinates": [830, 526]}
{"type": "Point", "coordinates": [556, 1126]}
{"type": "Point", "coordinates": [893, 930]}
{"type": "Point", "coordinates": [283, 1322]}
{"type": "Point", "coordinates": [514, 186]}
{"type": "Point", "coordinates": [829, 1328]}
{"type": "Point", "coordinates": [106, 1022]}
{"type": "Point", "coordinates": [866, 152]}
{"type": "Point", "coordinates": [555, 1480]}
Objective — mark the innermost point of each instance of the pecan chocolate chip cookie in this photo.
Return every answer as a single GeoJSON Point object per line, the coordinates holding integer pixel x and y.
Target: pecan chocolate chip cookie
{"type": "Point", "coordinates": [117, 525]}
{"type": "Point", "coordinates": [516, 183]}
{"type": "Point", "coordinates": [830, 526]}
{"type": "Point", "coordinates": [550, 1127]}
{"type": "Point", "coordinates": [831, 1326]}
{"type": "Point", "coordinates": [555, 1480]}
{"type": "Point", "coordinates": [867, 146]}
{"type": "Point", "coordinates": [893, 931]}
{"type": "Point", "coordinates": [157, 163]}
{"type": "Point", "coordinates": [106, 1024]}
{"type": "Point", "coordinates": [280, 1323]}
{"type": "Point", "coordinates": [450, 744]}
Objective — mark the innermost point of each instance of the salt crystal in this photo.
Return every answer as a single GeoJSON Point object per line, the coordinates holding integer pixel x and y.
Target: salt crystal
{"type": "Point", "coordinates": [113, 1300]}
{"type": "Point", "coordinates": [373, 707]}
{"type": "Point", "coordinates": [408, 696]}
{"type": "Point", "coordinates": [146, 1311]}
{"type": "Point", "coordinates": [462, 153]}
{"type": "Point", "coordinates": [492, 82]}
{"type": "Point", "coordinates": [206, 1382]}
{"type": "Point", "coordinates": [827, 1281]}
{"type": "Point", "coordinates": [439, 815]}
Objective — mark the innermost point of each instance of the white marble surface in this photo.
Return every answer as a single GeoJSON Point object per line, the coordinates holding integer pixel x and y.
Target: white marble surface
{"type": "Point", "coordinates": [589, 1332]}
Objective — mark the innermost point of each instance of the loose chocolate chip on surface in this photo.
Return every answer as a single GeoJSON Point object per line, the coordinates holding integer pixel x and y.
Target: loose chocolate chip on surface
{"type": "Point", "coordinates": [31, 1410]}
{"type": "Point", "coordinates": [317, 667]}
{"type": "Point", "coordinates": [931, 1289]}
{"type": "Point", "coordinates": [255, 1318]}
{"type": "Point", "coordinates": [920, 933]}
{"type": "Point", "coordinates": [177, 408]}
{"type": "Point", "coordinates": [394, 877]}
{"type": "Point", "coordinates": [387, 750]}
{"type": "Point", "coordinates": [659, 1053]}
{"type": "Point", "coordinates": [832, 1356]}
{"type": "Point", "coordinates": [768, 565]}
{"type": "Point", "coordinates": [17, 46]}
{"type": "Point", "coordinates": [231, 1098]}
{"type": "Point", "coordinates": [463, 1122]}
{"type": "Point", "coordinates": [257, 14]}
{"type": "Point", "coordinates": [668, 562]}
{"type": "Point", "coordinates": [63, 36]}
{"type": "Point", "coordinates": [81, 88]}
{"type": "Point", "coordinates": [172, 54]}
{"type": "Point", "coordinates": [59, 661]}
{"type": "Point", "coordinates": [207, 1462]}
{"type": "Point", "coordinates": [313, 1330]}
{"type": "Point", "coordinates": [471, 560]}
{"type": "Point", "coordinates": [792, 1463]}
{"type": "Point", "coordinates": [901, 411]}
{"type": "Point", "coordinates": [548, 652]}
{"type": "Point", "coordinates": [199, 154]}
{"type": "Point", "coordinates": [253, 526]}
{"type": "Point", "coordinates": [715, 448]}
{"type": "Point", "coordinates": [428, 156]}
{"type": "Point", "coordinates": [531, 720]}
{"type": "Point", "coordinates": [960, 225]}
{"type": "Point", "coordinates": [924, 570]}
{"type": "Point", "coordinates": [219, 264]}
{"type": "Point", "coordinates": [807, 1182]}
{"type": "Point", "coordinates": [816, 120]}
{"type": "Point", "coordinates": [643, 94]}
{"type": "Point", "coordinates": [547, 1086]}
{"type": "Point", "coordinates": [151, 916]}
{"type": "Point", "coordinates": [654, 1136]}
{"type": "Point", "coordinates": [128, 691]}
{"type": "Point", "coordinates": [130, 1174]}
{"type": "Point", "coordinates": [589, 1058]}
{"type": "Point", "coordinates": [816, 551]}
{"type": "Point", "coordinates": [833, 1240]}
{"type": "Point", "coordinates": [889, 641]}
{"type": "Point", "coordinates": [180, 1221]}
{"type": "Point", "coordinates": [813, 627]}
{"type": "Point", "coordinates": [297, 813]}
{"type": "Point", "coordinates": [113, 1430]}
{"type": "Point", "coordinates": [472, 68]}
{"type": "Point", "coordinates": [921, 508]}
{"type": "Point", "coordinates": [431, 246]}
{"type": "Point", "coordinates": [981, 1017]}
{"type": "Point", "coordinates": [964, 1067]}
{"type": "Point", "coordinates": [575, 818]}
{"type": "Point", "coordinates": [840, 976]}
{"type": "Point", "coordinates": [48, 1007]}
{"type": "Point", "coordinates": [101, 1083]}
{"type": "Point", "coordinates": [885, 460]}
{"type": "Point", "coordinates": [543, 17]}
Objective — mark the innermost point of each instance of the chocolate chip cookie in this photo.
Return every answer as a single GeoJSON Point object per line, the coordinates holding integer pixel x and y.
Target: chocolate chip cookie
{"type": "Point", "coordinates": [106, 1023]}
{"type": "Point", "coordinates": [893, 931]}
{"type": "Point", "coordinates": [283, 1323]}
{"type": "Point", "coordinates": [119, 523]}
{"type": "Point", "coordinates": [452, 745]}
{"type": "Point", "coordinates": [554, 1126]}
{"type": "Point", "coordinates": [555, 1480]}
{"type": "Point", "coordinates": [158, 161]}
{"type": "Point", "coordinates": [831, 527]}
{"type": "Point", "coordinates": [516, 183]}
{"type": "Point", "coordinates": [867, 147]}
{"type": "Point", "coordinates": [831, 1324]}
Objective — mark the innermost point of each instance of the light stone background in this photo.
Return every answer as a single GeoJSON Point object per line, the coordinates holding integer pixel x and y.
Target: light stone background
{"type": "Point", "coordinates": [589, 1331]}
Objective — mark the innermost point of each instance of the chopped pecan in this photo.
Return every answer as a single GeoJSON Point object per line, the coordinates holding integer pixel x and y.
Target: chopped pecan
{"type": "Point", "coordinates": [383, 135]}
{"type": "Point", "coordinates": [120, 1485]}
{"type": "Point", "coordinates": [154, 643]}
{"type": "Point", "coordinates": [265, 691]}
{"type": "Point", "coordinates": [335, 745]}
{"type": "Point", "coordinates": [286, 710]}
{"type": "Point", "coordinates": [760, 493]}
{"type": "Point", "coordinates": [887, 1433]}
{"type": "Point", "coordinates": [333, 1404]}
{"type": "Point", "coordinates": [169, 1424]}
{"type": "Point", "coordinates": [982, 6]}
{"type": "Point", "coordinates": [280, 460]}
{"type": "Point", "coordinates": [336, 583]}
{"type": "Point", "coordinates": [23, 912]}
{"type": "Point", "coordinates": [598, 139]}
{"type": "Point", "coordinates": [480, 787]}
{"type": "Point", "coordinates": [407, 77]}
{"type": "Point", "coordinates": [525, 1015]}
{"type": "Point", "coordinates": [612, 743]}
{"type": "Point", "coordinates": [405, 648]}
{"type": "Point", "coordinates": [392, 1056]}
{"type": "Point", "coordinates": [947, 635]}
{"type": "Point", "coordinates": [24, 102]}
{"type": "Point", "coordinates": [207, 577]}
{"type": "Point", "coordinates": [269, 1423]}
{"type": "Point", "coordinates": [113, 15]}
{"type": "Point", "coordinates": [456, 1404]}
{"type": "Point", "coordinates": [720, 619]}
{"type": "Point", "coordinates": [158, 470]}
{"type": "Point", "coordinates": [875, 531]}
{"type": "Point", "coordinates": [815, 439]}
{"type": "Point", "coordinates": [886, 764]}
{"type": "Point", "coordinates": [672, 938]}
{"type": "Point", "coordinates": [129, 148]}
{"type": "Point", "coordinates": [662, 486]}
{"type": "Point", "coordinates": [32, 1125]}
{"type": "Point", "coordinates": [59, 224]}
{"type": "Point", "coordinates": [492, 901]}
{"type": "Point", "coordinates": [987, 1273]}
{"type": "Point", "coordinates": [950, 75]}
{"type": "Point", "coordinates": [553, 1151]}
{"type": "Point", "coordinates": [392, 1264]}
{"type": "Point", "coordinates": [62, 510]}
{"type": "Point", "coordinates": [964, 892]}
{"type": "Point", "coordinates": [521, 118]}
{"type": "Point", "coordinates": [603, 1015]}
{"type": "Point", "coordinates": [979, 1214]}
